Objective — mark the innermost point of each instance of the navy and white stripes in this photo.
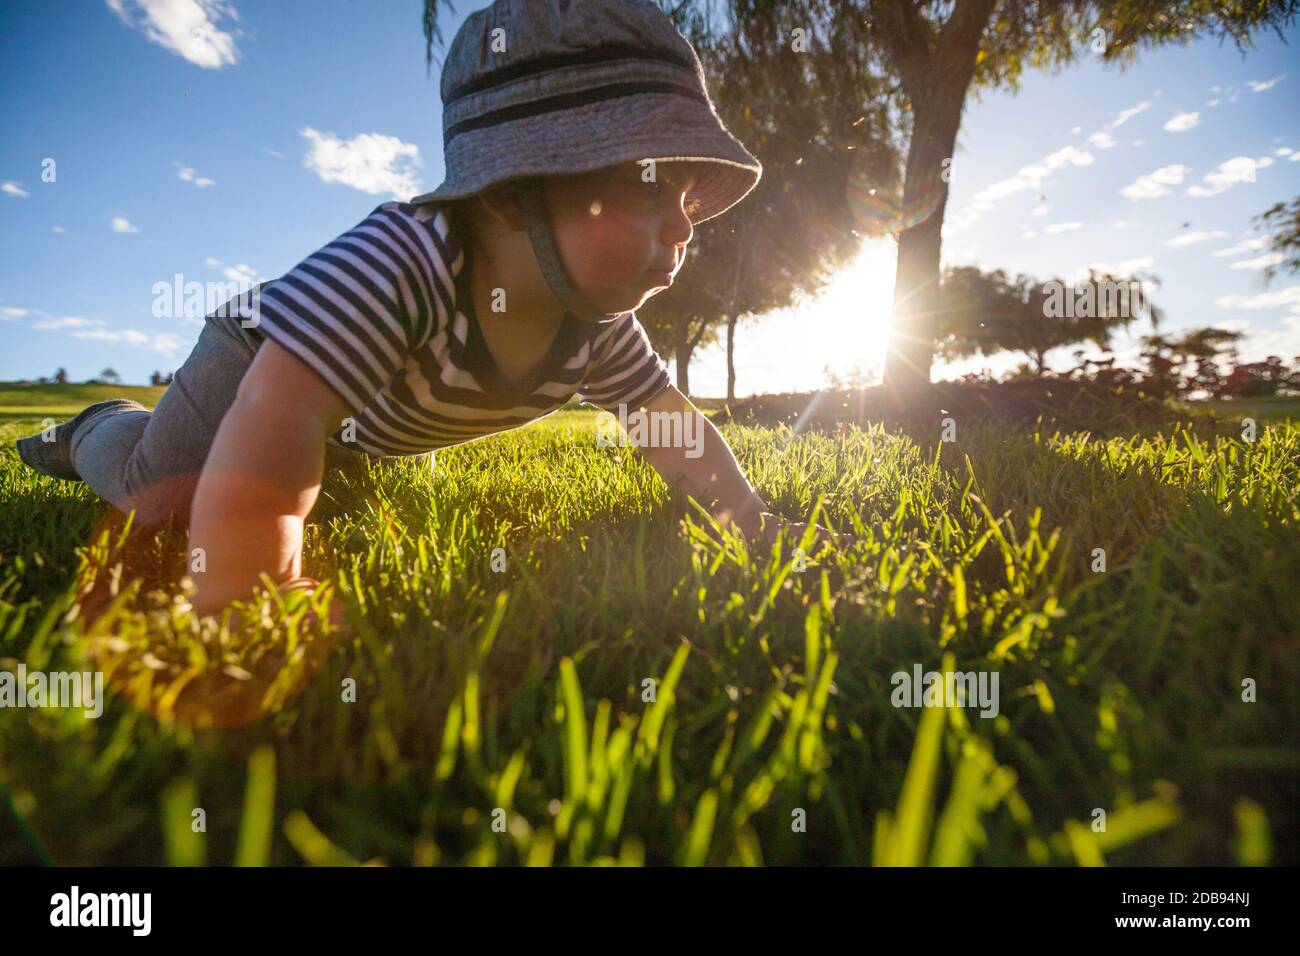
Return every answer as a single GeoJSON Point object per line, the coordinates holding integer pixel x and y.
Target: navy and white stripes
{"type": "Point", "coordinates": [383, 314]}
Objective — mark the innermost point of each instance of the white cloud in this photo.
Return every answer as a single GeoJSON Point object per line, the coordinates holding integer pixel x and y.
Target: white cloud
{"type": "Point", "coordinates": [1041, 209]}
{"type": "Point", "coordinates": [109, 335]}
{"type": "Point", "coordinates": [370, 162]}
{"type": "Point", "coordinates": [9, 312]}
{"type": "Point", "coordinates": [188, 28]}
{"type": "Point", "coordinates": [1129, 267]}
{"type": "Point", "coordinates": [242, 274]}
{"type": "Point", "coordinates": [1283, 342]}
{"type": "Point", "coordinates": [1026, 178]}
{"type": "Point", "coordinates": [1182, 122]}
{"type": "Point", "coordinates": [1211, 102]}
{"type": "Point", "coordinates": [1102, 140]}
{"type": "Point", "coordinates": [1259, 86]}
{"type": "Point", "coordinates": [1124, 224]}
{"type": "Point", "coordinates": [1239, 169]}
{"type": "Point", "coordinates": [13, 189]}
{"type": "Point", "coordinates": [121, 224]}
{"type": "Point", "coordinates": [212, 263]}
{"type": "Point", "coordinates": [276, 154]}
{"type": "Point", "coordinates": [59, 229]}
{"type": "Point", "coordinates": [1246, 245]}
{"type": "Point", "coordinates": [1288, 297]}
{"type": "Point", "coordinates": [1155, 184]}
{"type": "Point", "coordinates": [67, 322]}
{"type": "Point", "coordinates": [1270, 259]}
{"type": "Point", "coordinates": [1283, 151]}
{"type": "Point", "coordinates": [1191, 238]}
{"type": "Point", "coordinates": [165, 342]}
{"type": "Point", "coordinates": [187, 174]}
{"type": "Point", "coordinates": [1131, 112]}
{"type": "Point", "coordinates": [1057, 228]}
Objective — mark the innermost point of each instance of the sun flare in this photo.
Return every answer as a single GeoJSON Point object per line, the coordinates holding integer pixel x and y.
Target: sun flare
{"type": "Point", "coordinates": [860, 301]}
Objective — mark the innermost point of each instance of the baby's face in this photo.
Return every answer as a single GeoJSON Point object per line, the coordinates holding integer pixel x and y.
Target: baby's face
{"type": "Point", "coordinates": [614, 230]}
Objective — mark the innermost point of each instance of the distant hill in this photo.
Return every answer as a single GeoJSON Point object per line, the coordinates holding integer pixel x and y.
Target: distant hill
{"type": "Point", "coordinates": [37, 401]}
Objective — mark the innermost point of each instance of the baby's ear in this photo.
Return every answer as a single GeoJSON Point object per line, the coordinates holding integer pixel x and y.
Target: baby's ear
{"type": "Point", "coordinates": [502, 203]}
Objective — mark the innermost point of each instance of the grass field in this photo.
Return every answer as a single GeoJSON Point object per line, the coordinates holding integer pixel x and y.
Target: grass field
{"type": "Point", "coordinates": [20, 403]}
{"type": "Point", "coordinates": [1272, 408]}
{"type": "Point", "coordinates": [627, 688]}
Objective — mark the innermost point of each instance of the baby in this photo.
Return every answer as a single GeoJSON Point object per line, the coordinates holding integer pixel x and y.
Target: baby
{"type": "Point", "coordinates": [581, 149]}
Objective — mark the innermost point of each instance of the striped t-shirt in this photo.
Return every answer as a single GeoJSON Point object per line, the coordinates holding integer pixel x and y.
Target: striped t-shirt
{"type": "Point", "coordinates": [384, 315]}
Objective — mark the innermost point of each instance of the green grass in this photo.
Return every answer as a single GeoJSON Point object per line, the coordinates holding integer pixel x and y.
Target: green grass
{"type": "Point", "coordinates": [1273, 408]}
{"type": "Point", "coordinates": [22, 402]}
{"type": "Point", "coordinates": [523, 696]}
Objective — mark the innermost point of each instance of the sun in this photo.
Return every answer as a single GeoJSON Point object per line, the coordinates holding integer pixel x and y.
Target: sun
{"type": "Point", "coordinates": [860, 302]}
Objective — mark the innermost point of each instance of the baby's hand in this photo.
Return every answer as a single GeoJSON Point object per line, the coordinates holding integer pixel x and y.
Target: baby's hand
{"type": "Point", "coordinates": [337, 617]}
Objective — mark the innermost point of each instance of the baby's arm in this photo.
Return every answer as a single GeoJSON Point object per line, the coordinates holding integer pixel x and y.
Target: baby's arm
{"type": "Point", "coordinates": [713, 477]}
{"type": "Point", "coordinates": [261, 478]}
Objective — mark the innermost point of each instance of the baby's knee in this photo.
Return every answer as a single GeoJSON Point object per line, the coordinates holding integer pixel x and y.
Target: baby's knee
{"type": "Point", "coordinates": [160, 502]}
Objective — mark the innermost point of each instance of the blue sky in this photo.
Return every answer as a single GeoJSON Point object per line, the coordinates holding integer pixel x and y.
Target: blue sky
{"type": "Point", "coordinates": [226, 141]}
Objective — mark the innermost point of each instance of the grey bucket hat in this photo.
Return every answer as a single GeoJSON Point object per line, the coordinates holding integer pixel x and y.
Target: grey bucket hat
{"type": "Point", "coordinates": [556, 87]}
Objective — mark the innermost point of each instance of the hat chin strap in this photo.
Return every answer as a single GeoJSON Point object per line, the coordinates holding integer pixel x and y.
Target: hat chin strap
{"type": "Point", "coordinates": [548, 258]}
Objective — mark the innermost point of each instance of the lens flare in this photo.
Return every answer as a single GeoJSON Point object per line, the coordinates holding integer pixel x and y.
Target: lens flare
{"type": "Point", "coordinates": [877, 215]}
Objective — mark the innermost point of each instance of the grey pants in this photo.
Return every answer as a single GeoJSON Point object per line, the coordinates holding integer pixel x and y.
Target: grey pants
{"type": "Point", "coordinates": [151, 461]}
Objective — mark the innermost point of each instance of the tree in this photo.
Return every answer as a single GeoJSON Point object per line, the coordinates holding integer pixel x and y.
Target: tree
{"type": "Point", "coordinates": [61, 376]}
{"type": "Point", "coordinates": [1284, 220]}
{"type": "Point", "coordinates": [1166, 357]}
{"type": "Point", "coordinates": [110, 377]}
{"type": "Point", "coordinates": [940, 51]}
{"type": "Point", "coordinates": [985, 313]}
{"type": "Point", "coordinates": [1202, 347]}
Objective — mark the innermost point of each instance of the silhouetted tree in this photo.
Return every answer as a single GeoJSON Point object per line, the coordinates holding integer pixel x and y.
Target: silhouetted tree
{"type": "Point", "coordinates": [1284, 220]}
{"type": "Point", "coordinates": [985, 313]}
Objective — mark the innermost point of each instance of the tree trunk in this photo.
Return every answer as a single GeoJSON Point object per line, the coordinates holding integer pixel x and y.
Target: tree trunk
{"type": "Point", "coordinates": [916, 278]}
{"type": "Point", "coordinates": [731, 358]}
{"type": "Point", "coordinates": [682, 352]}
{"type": "Point", "coordinates": [936, 86]}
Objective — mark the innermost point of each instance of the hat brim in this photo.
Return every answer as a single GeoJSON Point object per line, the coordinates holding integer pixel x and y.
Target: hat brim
{"type": "Point", "coordinates": [662, 126]}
